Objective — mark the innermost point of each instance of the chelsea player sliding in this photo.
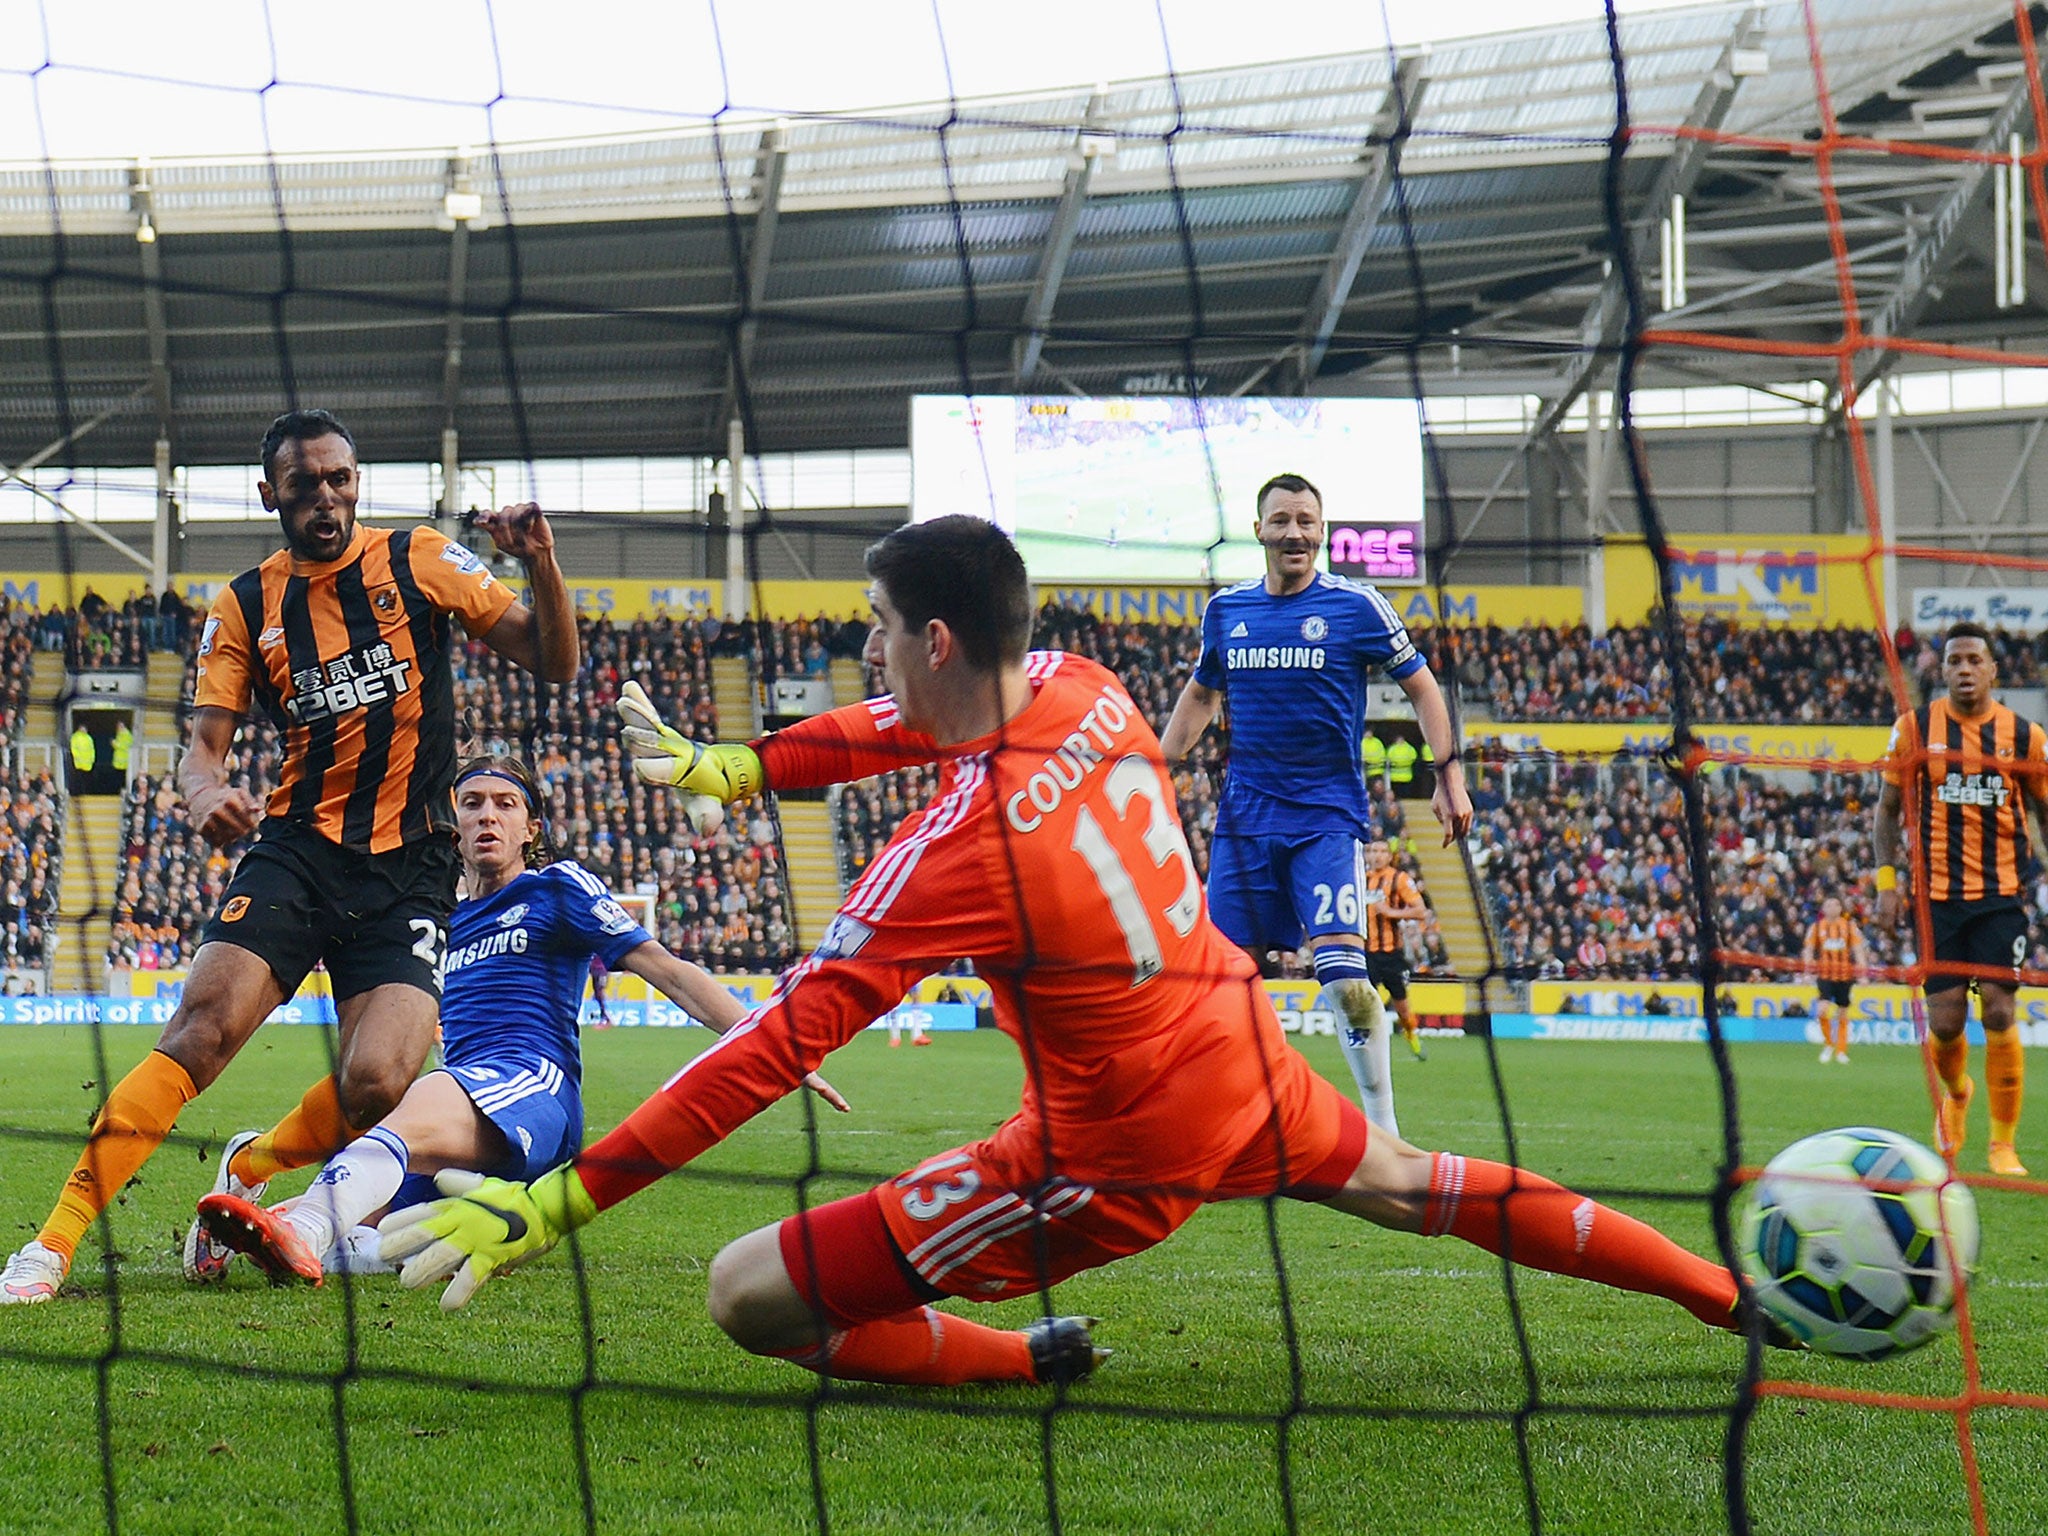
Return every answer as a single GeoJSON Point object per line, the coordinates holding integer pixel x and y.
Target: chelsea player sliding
{"type": "Point", "coordinates": [508, 1099]}
{"type": "Point", "coordinates": [1292, 652]}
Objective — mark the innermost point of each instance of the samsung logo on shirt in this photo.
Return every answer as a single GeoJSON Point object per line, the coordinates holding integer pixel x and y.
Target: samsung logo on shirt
{"type": "Point", "coordinates": [503, 942]}
{"type": "Point", "coordinates": [1271, 657]}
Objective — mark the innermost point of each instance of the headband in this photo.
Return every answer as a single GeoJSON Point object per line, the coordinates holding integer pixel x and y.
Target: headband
{"type": "Point", "coordinates": [492, 770]}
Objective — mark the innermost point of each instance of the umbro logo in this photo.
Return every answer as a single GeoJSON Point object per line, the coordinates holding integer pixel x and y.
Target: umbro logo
{"type": "Point", "coordinates": [270, 637]}
{"type": "Point", "coordinates": [1241, 631]}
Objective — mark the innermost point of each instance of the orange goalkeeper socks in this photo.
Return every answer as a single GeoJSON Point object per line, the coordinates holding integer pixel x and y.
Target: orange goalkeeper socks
{"type": "Point", "coordinates": [139, 1114]}
{"type": "Point", "coordinates": [1546, 1226]}
{"type": "Point", "coordinates": [2005, 1079]}
{"type": "Point", "coordinates": [920, 1348]}
{"type": "Point", "coordinates": [311, 1133]}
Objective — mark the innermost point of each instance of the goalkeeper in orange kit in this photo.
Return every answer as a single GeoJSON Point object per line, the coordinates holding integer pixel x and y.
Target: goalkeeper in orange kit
{"type": "Point", "coordinates": [1158, 1078]}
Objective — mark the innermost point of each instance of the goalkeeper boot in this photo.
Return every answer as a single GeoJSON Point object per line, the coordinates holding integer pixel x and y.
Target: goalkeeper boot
{"type": "Point", "coordinates": [32, 1275]}
{"type": "Point", "coordinates": [1063, 1350]}
{"type": "Point", "coordinates": [205, 1260]}
{"type": "Point", "coordinates": [273, 1244]}
{"type": "Point", "coordinates": [1774, 1333]}
{"type": "Point", "coordinates": [2004, 1160]}
{"type": "Point", "coordinates": [1952, 1122]}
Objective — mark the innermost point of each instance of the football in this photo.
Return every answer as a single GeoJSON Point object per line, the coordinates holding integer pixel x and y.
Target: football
{"type": "Point", "coordinates": [1849, 1238]}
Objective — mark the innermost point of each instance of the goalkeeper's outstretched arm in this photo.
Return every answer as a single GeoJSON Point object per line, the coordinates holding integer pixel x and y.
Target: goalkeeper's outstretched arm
{"type": "Point", "coordinates": [485, 1228]}
{"type": "Point", "coordinates": [836, 747]}
{"type": "Point", "coordinates": [696, 992]}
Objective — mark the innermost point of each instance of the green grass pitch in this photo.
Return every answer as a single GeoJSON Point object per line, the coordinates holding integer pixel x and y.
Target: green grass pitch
{"type": "Point", "coordinates": [1386, 1323]}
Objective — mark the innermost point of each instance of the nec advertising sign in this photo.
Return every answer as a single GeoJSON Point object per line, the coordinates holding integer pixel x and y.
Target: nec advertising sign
{"type": "Point", "coordinates": [1387, 553]}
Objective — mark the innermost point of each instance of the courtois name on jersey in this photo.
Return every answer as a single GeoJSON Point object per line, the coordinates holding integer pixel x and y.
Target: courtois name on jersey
{"type": "Point", "coordinates": [1296, 669]}
{"type": "Point", "coordinates": [518, 960]}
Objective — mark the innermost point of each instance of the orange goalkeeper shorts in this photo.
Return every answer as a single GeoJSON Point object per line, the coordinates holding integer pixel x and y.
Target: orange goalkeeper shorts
{"type": "Point", "coordinates": [982, 1222]}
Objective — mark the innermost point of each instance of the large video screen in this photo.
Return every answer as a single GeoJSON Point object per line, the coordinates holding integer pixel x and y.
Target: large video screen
{"type": "Point", "coordinates": [1162, 487]}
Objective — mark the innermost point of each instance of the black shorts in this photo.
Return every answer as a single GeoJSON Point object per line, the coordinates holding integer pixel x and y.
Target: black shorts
{"type": "Point", "coordinates": [1992, 933]}
{"type": "Point", "coordinates": [1390, 970]}
{"type": "Point", "coordinates": [1836, 992]}
{"type": "Point", "coordinates": [374, 918]}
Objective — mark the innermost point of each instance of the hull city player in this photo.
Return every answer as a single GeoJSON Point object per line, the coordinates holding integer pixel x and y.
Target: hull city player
{"type": "Point", "coordinates": [1967, 771]}
{"type": "Point", "coordinates": [1836, 954]}
{"type": "Point", "coordinates": [1293, 653]}
{"type": "Point", "coordinates": [1390, 898]}
{"type": "Point", "coordinates": [507, 1101]}
{"type": "Point", "coordinates": [1158, 1077]}
{"type": "Point", "coordinates": [343, 638]}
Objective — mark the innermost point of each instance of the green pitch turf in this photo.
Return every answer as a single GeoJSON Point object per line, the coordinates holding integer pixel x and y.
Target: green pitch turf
{"type": "Point", "coordinates": [223, 1404]}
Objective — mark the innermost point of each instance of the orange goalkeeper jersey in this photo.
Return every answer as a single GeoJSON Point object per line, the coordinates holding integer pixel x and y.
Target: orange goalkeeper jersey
{"type": "Point", "coordinates": [1052, 857]}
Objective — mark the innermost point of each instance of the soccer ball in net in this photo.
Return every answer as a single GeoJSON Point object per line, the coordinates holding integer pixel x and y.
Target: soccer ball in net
{"type": "Point", "coordinates": [1843, 1240]}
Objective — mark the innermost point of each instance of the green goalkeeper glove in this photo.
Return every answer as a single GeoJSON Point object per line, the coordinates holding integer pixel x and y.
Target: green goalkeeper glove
{"type": "Point", "coordinates": [483, 1228]}
{"type": "Point", "coordinates": [725, 771]}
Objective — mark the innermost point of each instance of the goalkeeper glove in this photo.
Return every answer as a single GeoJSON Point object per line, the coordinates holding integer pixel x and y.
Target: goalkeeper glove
{"type": "Point", "coordinates": [484, 1228]}
{"type": "Point", "coordinates": [725, 771]}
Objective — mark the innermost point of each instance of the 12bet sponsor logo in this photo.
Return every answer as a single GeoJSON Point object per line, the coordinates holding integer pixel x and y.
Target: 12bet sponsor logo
{"type": "Point", "coordinates": [371, 675]}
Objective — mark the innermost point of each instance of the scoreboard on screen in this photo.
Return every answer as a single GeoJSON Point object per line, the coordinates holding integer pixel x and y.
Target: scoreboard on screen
{"type": "Point", "coordinates": [1163, 488]}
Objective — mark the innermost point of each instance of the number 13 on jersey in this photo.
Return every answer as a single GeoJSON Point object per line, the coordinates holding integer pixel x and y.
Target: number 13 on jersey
{"type": "Point", "coordinates": [1158, 841]}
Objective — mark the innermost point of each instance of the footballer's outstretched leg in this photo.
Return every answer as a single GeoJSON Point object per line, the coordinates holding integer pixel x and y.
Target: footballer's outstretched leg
{"type": "Point", "coordinates": [1534, 1221]}
{"type": "Point", "coordinates": [857, 1316]}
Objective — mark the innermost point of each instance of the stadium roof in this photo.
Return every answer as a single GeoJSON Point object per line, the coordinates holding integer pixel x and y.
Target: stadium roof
{"type": "Point", "coordinates": [1239, 227]}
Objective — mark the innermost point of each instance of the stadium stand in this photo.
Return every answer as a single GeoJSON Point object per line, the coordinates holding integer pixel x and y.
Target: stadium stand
{"type": "Point", "coordinates": [31, 840]}
{"type": "Point", "coordinates": [720, 899]}
{"type": "Point", "coordinates": [725, 899]}
{"type": "Point", "coordinates": [1741, 674]}
{"type": "Point", "coordinates": [1586, 870]}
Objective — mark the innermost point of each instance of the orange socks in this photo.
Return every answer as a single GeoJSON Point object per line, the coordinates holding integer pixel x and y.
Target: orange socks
{"type": "Point", "coordinates": [139, 1114]}
{"type": "Point", "coordinates": [920, 1348]}
{"type": "Point", "coordinates": [311, 1133]}
{"type": "Point", "coordinates": [2005, 1079]}
{"type": "Point", "coordinates": [1546, 1226]}
{"type": "Point", "coordinates": [1952, 1059]}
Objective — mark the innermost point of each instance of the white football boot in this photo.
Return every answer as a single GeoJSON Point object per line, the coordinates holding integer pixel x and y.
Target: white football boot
{"type": "Point", "coordinates": [32, 1275]}
{"type": "Point", "coordinates": [206, 1260]}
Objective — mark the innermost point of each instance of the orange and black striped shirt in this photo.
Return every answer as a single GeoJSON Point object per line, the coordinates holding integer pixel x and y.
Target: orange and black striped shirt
{"type": "Point", "coordinates": [349, 659]}
{"type": "Point", "coordinates": [1832, 942]}
{"type": "Point", "coordinates": [1384, 889]}
{"type": "Point", "coordinates": [1966, 784]}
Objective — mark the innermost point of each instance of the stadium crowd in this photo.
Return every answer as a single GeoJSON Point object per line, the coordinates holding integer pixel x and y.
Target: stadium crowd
{"type": "Point", "coordinates": [1587, 873]}
{"type": "Point", "coordinates": [720, 899]}
{"type": "Point", "coordinates": [31, 814]}
{"type": "Point", "coordinates": [1833, 676]}
{"type": "Point", "coordinates": [96, 634]}
{"type": "Point", "coordinates": [1586, 878]}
